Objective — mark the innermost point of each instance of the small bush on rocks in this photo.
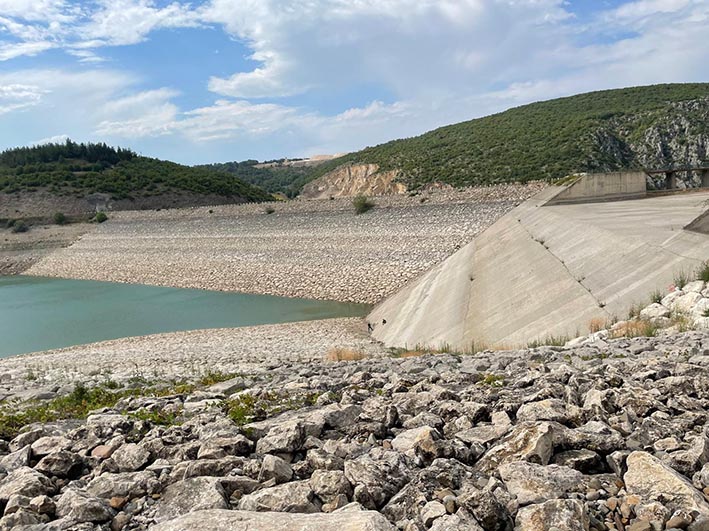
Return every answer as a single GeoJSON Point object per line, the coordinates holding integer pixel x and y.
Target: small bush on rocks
{"type": "Point", "coordinates": [656, 296]}
{"type": "Point", "coordinates": [269, 210]}
{"type": "Point", "coordinates": [20, 226]}
{"type": "Point", "coordinates": [60, 218]}
{"type": "Point", "coordinates": [362, 204]}
{"type": "Point", "coordinates": [100, 217]}
{"type": "Point", "coordinates": [681, 279]}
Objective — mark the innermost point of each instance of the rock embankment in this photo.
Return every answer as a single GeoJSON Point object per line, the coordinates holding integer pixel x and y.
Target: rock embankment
{"type": "Point", "coordinates": [310, 249]}
{"type": "Point", "coordinates": [546, 439]}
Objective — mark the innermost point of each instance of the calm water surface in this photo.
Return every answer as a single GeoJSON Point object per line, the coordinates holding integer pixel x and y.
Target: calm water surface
{"type": "Point", "coordinates": [45, 313]}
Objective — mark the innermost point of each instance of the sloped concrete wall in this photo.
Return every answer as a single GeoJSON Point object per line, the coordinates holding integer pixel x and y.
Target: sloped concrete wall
{"type": "Point", "coordinates": [547, 270]}
{"type": "Point", "coordinates": [604, 187]}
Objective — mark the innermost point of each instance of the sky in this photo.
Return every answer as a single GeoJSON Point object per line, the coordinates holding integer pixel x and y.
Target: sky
{"type": "Point", "coordinates": [221, 80]}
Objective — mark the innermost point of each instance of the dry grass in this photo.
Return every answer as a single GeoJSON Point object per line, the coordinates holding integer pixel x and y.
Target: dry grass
{"type": "Point", "coordinates": [344, 354]}
{"type": "Point", "coordinates": [635, 328]}
{"type": "Point", "coordinates": [597, 324]}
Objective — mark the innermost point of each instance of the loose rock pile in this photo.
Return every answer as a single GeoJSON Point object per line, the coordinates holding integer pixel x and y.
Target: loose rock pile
{"type": "Point", "coordinates": [583, 438]}
{"type": "Point", "coordinates": [685, 308]}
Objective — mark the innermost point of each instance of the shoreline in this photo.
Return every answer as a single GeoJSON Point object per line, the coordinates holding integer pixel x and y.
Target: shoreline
{"type": "Point", "coordinates": [182, 355]}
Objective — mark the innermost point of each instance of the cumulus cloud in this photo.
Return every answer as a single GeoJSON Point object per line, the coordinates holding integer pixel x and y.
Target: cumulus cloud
{"type": "Point", "coordinates": [16, 96]}
{"type": "Point", "coordinates": [421, 63]}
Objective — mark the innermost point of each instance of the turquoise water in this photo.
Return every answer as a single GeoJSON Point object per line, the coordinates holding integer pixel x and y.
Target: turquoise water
{"type": "Point", "coordinates": [46, 313]}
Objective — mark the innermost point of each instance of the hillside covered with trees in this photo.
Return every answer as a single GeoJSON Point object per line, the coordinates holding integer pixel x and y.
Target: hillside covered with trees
{"type": "Point", "coordinates": [277, 178]}
{"type": "Point", "coordinates": [77, 170]}
{"type": "Point", "coordinates": [653, 126]}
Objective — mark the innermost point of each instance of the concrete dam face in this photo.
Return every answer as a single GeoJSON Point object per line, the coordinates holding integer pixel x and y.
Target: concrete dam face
{"type": "Point", "coordinates": [550, 267]}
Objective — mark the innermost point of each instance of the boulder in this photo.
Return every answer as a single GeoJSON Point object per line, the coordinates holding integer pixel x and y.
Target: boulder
{"type": "Point", "coordinates": [327, 485]}
{"type": "Point", "coordinates": [408, 440]}
{"type": "Point", "coordinates": [282, 438]}
{"type": "Point", "coordinates": [275, 468]}
{"type": "Point", "coordinates": [47, 445]}
{"type": "Point", "coordinates": [293, 497]}
{"type": "Point", "coordinates": [532, 483]}
{"type": "Point", "coordinates": [17, 459]}
{"type": "Point", "coordinates": [562, 515]}
{"type": "Point", "coordinates": [652, 480]}
{"type": "Point", "coordinates": [550, 409]}
{"type": "Point", "coordinates": [376, 477]}
{"type": "Point", "coordinates": [188, 495]}
{"type": "Point", "coordinates": [528, 441]}
{"type": "Point", "coordinates": [62, 464]}
{"type": "Point", "coordinates": [130, 457]}
{"type": "Point", "coordinates": [26, 482]}
{"type": "Point", "coordinates": [126, 484]}
{"type": "Point", "coordinates": [78, 506]}
{"type": "Point", "coordinates": [254, 521]}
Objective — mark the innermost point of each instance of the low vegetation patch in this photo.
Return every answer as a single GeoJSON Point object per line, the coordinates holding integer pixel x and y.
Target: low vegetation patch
{"type": "Point", "coordinates": [344, 354]}
{"type": "Point", "coordinates": [79, 403]}
{"type": "Point", "coordinates": [362, 204]}
{"type": "Point", "coordinates": [100, 217]}
{"type": "Point", "coordinates": [59, 218]}
{"type": "Point", "coordinates": [549, 341]}
{"type": "Point", "coordinates": [19, 226]}
{"type": "Point", "coordinates": [212, 377]}
{"type": "Point", "coordinates": [635, 328]}
{"type": "Point", "coordinates": [251, 407]}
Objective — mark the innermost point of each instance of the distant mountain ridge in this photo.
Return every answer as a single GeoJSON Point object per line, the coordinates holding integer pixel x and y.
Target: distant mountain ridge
{"type": "Point", "coordinates": [652, 126]}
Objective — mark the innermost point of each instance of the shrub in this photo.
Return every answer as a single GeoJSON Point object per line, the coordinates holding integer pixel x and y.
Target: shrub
{"type": "Point", "coordinates": [362, 204]}
{"type": "Point", "coordinates": [100, 217]}
{"type": "Point", "coordinates": [20, 226]}
{"type": "Point", "coordinates": [703, 272]}
{"type": "Point", "coordinates": [269, 210]}
{"type": "Point", "coordinates": [60, 218]}
{"type": "Point", "coordinates": [656, 296]}
{"type": "Point", "coordinates": [681, 279]}
{"type": "Point", "coordinates": [345, 354]}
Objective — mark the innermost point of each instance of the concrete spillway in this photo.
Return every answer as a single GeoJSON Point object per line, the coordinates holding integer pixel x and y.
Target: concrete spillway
{"type": "Point", "coordinates": [547, 270]}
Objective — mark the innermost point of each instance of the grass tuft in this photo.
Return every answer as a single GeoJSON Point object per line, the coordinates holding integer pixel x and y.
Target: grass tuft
{"type": "Point", "coordinates": [344, 354]}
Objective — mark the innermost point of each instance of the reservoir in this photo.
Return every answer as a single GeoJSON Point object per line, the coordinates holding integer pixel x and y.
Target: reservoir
{"type": "Point", "coordinates": [46, 313]}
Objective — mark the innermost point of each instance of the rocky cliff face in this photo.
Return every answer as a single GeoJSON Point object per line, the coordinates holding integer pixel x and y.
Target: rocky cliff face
{"type": "Point", "coordinates": [354, 179]}
{"type": "Point", "coordinates": [672, 138]}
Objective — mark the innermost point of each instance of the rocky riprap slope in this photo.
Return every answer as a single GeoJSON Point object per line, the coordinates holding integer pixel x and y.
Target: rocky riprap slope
{"type": "Point", "coordinates": [544, 439]}
{"type": "Point", "coordinates": [313, 249]}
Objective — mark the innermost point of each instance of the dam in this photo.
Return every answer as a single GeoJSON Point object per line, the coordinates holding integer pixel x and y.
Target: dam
{"type": "Point", "coordinates": [568, 256]}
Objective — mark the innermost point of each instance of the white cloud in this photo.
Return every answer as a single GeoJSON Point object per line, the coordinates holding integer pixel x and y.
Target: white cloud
{"type": "Point", "coordinates": [421, 63]}
{"type": "Point", "coordinates": [17, 96]}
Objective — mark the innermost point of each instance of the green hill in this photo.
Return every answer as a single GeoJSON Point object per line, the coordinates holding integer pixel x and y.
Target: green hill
{"type": "Point", "coordinates": [653, 126]}
{"type": "Point", "coordinates": [279, 177]}
{"type": "Point", "coordinates": [75, 170]}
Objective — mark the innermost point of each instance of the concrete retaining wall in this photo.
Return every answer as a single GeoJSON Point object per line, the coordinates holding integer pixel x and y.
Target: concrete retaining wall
{"type": "Point", "coordinates": [547, 270]}
{"type": "Point", "coordinates": [603, 187]}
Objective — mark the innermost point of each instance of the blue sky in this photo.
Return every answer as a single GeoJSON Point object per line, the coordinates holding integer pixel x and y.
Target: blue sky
{"type": "Point", "coordinates": [216, 80]}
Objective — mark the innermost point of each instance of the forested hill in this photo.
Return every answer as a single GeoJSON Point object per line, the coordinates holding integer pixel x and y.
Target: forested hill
{"type": "Point", "coordinates": [76, 170]}
{"type": "Point", "coordinates": [653, 126]}
{"type": "Point", "coordinates": [274, 178]}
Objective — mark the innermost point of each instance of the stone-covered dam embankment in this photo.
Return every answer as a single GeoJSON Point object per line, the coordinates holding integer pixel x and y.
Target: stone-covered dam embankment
{"type": "Point", "coordinates": [312, 249]}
